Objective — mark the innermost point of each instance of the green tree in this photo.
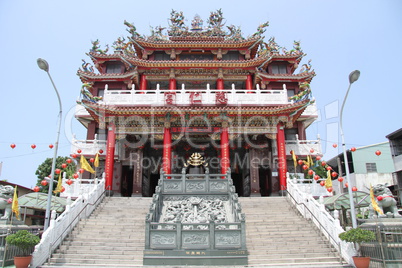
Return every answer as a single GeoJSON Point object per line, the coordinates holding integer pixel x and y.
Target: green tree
{"type": "Point", "coordinates": [45, 169]}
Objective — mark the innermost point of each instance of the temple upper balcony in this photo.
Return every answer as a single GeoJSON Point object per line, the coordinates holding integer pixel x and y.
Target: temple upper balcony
{"type": "Point", "coordinates": [207, 96]}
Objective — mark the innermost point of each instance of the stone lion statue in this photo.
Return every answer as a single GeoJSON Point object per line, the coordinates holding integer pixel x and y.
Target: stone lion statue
{"type": "Point", "coordinates": [385, 201]}
{"type": "Point", "coordinates": [6, 198]}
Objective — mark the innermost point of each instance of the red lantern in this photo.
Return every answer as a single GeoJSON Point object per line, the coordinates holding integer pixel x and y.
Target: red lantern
{"type": "Point", "coordinates": [62, 189]}
{"type": "Point", "coordinates": [300, 162]}
{"type": "Point", "coordinates": [92, 160]}
{"type": "Point", "coordinates": [378, 152]}
{"type": "Point", "coordinates": [334, 174]}
{"type": "Point", "coordinates": [33, 146]}
{"type": "Point", "coordinates": [69, 181]}
{"type": "Point", "coordinates": [334, 145]}
{"type": "Point", "coordinates": [305, 167]}
{"type": "Point", "coordinates": [329, 189]}
{"type": "Point", "coordinates": [81, 170]}
{"type": "Point", "coordinates": [310, 172]}
{"type": "Point", "coordinates": [316, 177]}
{"type": "Point", "coordinates": [79, 151]}
{"type": "Point", "coordinates": [329, 168]}
{"type": "Point", "coordinates": [311, 150]}
{"type": "Point", "coordinates": [64, 165]}
{"type": "Point", "coordinates": [69, 160]}
{"type": "Point", "coordinates": [318, 158]}
{"type": "Point", "coordinates": [380, 198]}
{"type": "Point", "coordinates": [322, 183]}
{"type": "Point", "coordinates": [36, 189]}
{"type": "Point", "coordinates": [353, 149]}
{"type": "Point", "coordinates": [57, 171]}
{"type": "Point", "coordinates": [101, 151]}
{"type": "Point", "coordinates": [74, 156]}
{"type": "Point", "coordinates": [75, 176]}
{"type": "Point", "coordinates": [323, 163]}
{"type": "Point", "coordinates": [12, 145]}
{"type": "Point", "coordinates": [340, 179]}
{"type": "Point", "coordinates": [43, 182]}
{"type": "Point", "coordinates": [346, 184]}
{"type": "Point", "coordinates": [354, 188]}
{"type": "Point", "coordinates": [51, 146]}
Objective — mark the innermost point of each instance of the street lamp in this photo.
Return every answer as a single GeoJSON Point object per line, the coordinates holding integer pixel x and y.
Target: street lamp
{"type": "Point", "coordinates": [43, 65]}
{"type": "Point", "coordinates": [353, 76]}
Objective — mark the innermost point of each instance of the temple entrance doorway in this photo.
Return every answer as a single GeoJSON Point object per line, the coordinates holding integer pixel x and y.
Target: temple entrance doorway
{"type": "Point", "coordinates": [126, 181]}
{"type": "Point", "coordinates": [265, 178]}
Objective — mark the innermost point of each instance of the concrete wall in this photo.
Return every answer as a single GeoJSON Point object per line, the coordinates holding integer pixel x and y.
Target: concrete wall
{"type": "Point", "coordinates": [363, 155]}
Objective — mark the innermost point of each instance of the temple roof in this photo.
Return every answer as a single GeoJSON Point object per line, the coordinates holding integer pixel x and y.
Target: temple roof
{"type": "Point", "coordinates": [105, 77]}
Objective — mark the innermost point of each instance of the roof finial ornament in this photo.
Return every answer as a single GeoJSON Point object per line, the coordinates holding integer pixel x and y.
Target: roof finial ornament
{"type": "Point", "coordinates": [197, 23]}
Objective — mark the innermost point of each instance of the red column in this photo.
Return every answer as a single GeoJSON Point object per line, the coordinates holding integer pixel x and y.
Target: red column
{"type": "Point", "coordinates": [143, 82]}
{"type": "Point", "coordinates": [109, 165]}
{"type": "Point", "coordinates": [282, 167]}
{"type": "Point", "coordinates": [172, 83]}
{"type": "Point", "coordinates": [167, 150]}
{"type": "Point", "coordinates": [249, 83]}
{"type": "Point", "coordinates": [219, 84]}
{"type": "Point", "coordinates": [225, 160]}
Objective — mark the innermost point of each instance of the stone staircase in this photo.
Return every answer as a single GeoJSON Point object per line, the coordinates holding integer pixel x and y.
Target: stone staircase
{"type": "Point", "coordinates": [114, 236]}
{"type": "Point", "coordinates": [277, 236]}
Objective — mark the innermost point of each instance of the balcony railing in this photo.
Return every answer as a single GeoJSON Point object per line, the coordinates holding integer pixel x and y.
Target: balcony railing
{"type": "Point", "coordinates": [90, 147]}
{"type": "Point", "coordinates": [195, 96]}
{"type": "Point", "coordinates": [304, 147]}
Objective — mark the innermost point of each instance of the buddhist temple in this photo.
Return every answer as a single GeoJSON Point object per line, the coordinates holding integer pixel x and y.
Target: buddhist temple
{"type": "Point", "coordinates": [149, 102]}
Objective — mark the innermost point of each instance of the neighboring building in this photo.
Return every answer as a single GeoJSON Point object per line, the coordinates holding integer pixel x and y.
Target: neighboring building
{"type": "Point", "coordinates": [155, 100]}
{"type": "Point", "coordinates": [365, 167]}
{"type": "Point", "coordinates": [395, 142]}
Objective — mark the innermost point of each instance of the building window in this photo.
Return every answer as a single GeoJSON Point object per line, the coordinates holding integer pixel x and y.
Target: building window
{"type": "Point", "coordinates": [231, 55]}
{"type": "Point", "coordinates": [371, 167]}
{"type": "Point", "coordinates": [114, 68]}
{"type": "Point", "coordinates": [196, 56]}
{"type": "Point", "coordinates": [279, 68]}
{"type": "Point", "coordinates": [161, 55]}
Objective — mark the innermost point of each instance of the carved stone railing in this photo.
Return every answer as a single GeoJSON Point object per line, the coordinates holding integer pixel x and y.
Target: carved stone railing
{"type": "Point", "coordinates": [195, 96]}
{"type": "Point", "coordinates": [304, 147]}
{"type": "Point", "coordinates": [90, 147]}
{"type": "Point", "coordinates": [59, 228]}
{"type": "Point", "coordinates": [188, 240]}
{"type": "Point", "coordinates": [330, 227]}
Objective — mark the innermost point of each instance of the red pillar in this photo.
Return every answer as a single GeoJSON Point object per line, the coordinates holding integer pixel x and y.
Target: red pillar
{"type": "Point", "coordinates": [249, 83]}
{"type": "Point", "coordinates": [225, 160]}
{"type": "Point", "coordinates": [109, 164]}
{"type": "Point", "coordinates": [167, 150]}
{"type": "Point", "coordinates": [282, 166]}
{"type": "Point", "coordinates": [172, 83]}
{"type": "Point", "coordinates": [143, 82]}
{"type": "Point", "coordinates": [219, 84]}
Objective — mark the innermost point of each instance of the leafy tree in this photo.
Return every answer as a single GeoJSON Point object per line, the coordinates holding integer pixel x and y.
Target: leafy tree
{"type": "Point", "coordinates": [45, 169]}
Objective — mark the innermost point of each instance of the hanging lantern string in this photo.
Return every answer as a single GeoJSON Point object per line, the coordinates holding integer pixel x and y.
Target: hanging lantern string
{"type": "Point", "coordinates": [32, 152]}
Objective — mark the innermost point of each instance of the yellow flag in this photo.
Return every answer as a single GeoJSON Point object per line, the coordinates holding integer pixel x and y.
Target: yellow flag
{"type": "Point", "coordinates": [85, 165]}
{"type": "Point", "coordinates": [373, 202]}
{"type": "Point", "coordinates": [294, 159]}
{"type": "Point", "coordinates": [15, 208]}
{"type": "Point", "coordinates": [96, 162]}
{"type": "Point", "coordinates": [328, 181]}
{"type": "Point", "coordinates": [59, 185]}
{"type": "Point", "coordinates": [310, 161]}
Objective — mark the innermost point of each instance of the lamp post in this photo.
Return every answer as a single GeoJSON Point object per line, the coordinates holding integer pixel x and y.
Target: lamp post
{"type": "Point", "coordinates": [43, 65]}
{"type": "Point", "coordinates": [353, 76]}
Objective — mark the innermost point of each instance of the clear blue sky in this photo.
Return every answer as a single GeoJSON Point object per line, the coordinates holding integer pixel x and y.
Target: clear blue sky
{"type": "Point", "coordinates": [338, 36]}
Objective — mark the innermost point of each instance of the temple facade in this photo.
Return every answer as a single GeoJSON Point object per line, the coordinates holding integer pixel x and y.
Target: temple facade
{"type": "Point", "coordinates": [149, 102]}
